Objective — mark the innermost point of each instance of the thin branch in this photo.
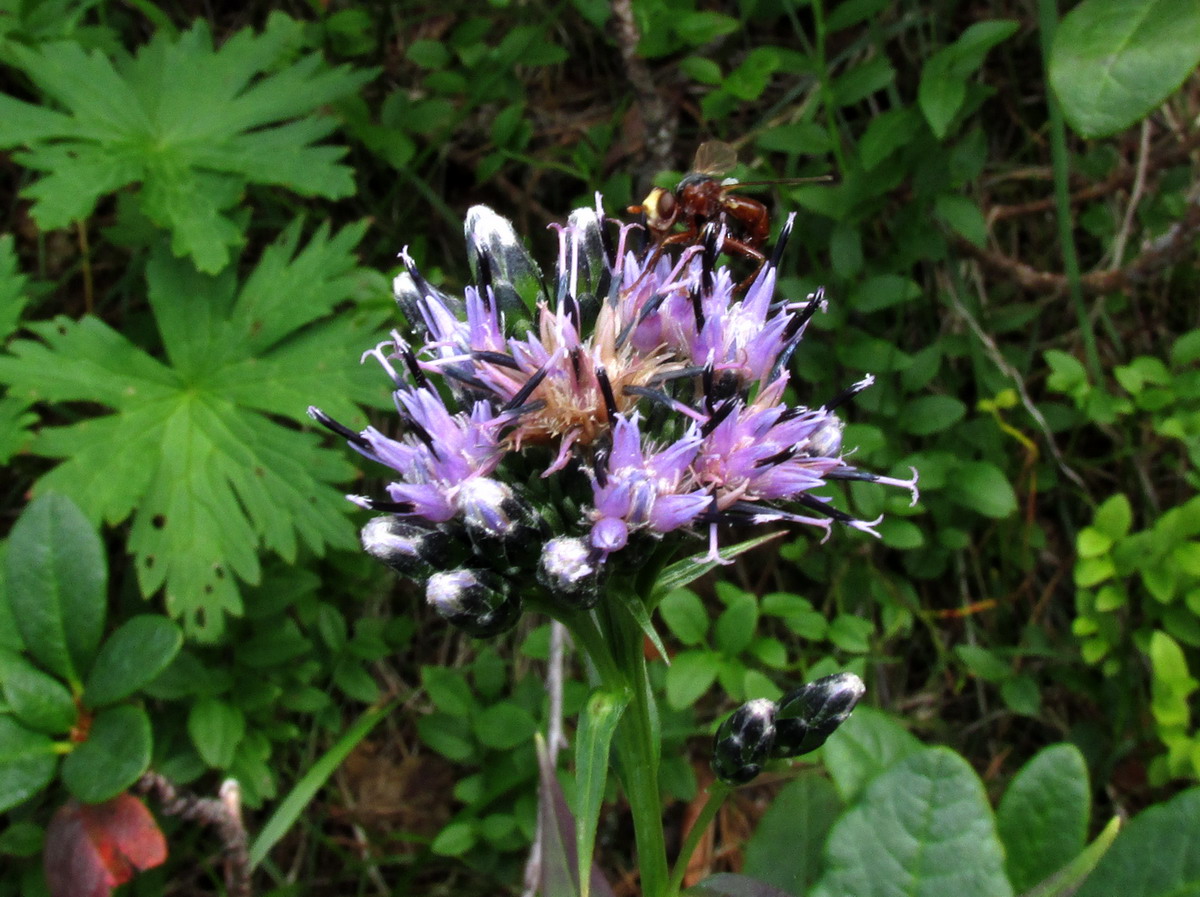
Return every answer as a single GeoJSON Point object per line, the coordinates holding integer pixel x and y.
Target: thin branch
{"type": "Point", "coordinates": [223, 813]}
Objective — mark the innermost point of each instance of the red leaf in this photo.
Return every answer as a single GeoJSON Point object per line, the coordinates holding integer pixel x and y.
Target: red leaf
{"type": "Point", "coordinates": [92, 848]}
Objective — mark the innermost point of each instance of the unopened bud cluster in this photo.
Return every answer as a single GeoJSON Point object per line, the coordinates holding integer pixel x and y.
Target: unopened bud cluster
{"type": "Point", "coordinates": [551, 433]}
{"type": "Point", "coordinates": [797, 724]}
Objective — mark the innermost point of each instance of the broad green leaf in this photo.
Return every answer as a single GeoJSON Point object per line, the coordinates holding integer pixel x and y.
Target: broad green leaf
{"type": "Point", "coordinates": [690, 675]}
{"type": "Point", "coordinates": [449, 691]}
{"type": "Point", "coordinates": [134, 655]}
{"type": "Point", "coordinates": [1114, 61]}
{"type": "Point", "coordinates": [932, 414]}
{"type": "Point", "coordinates": [1043, 817]}
{"type": "Point", "coordinates": [27, 762]}
{"type": "Point", "coordinates": [211, 469]}
{"type": "Point", "coordinates": [1157, 855]}
{"type": "Point", "coordinates": [983, 488]}
{"type": "Point", "coordinates": [943, 78]}
{"type": "Point", "coordinates": [115, 755]}
{"type": "Point", "coordinates": [56, 573]}
{"type": "Point", "coordinates": [922, 829]}
{"type": "Point", "coordinates": [865, 745]}
{"type": "Point", "coordinates": [504, 726]}
{"type": "Point", "coordinates": [785, 849]}
{"type": "Point", "coordinates": [191, 125]}
{"type": "Point", "coordinates": [685, 616]}
{"type": "Point", "coordinates": [39, 701]}
{"type": "Point", "coordinates": [1114, 517]}
{"type": "Point", "coordinates": [216, 727]}
{"type": "Point", "coordinates": [734, 629]}
{"type": "Point", "coordinates": [597, 724]}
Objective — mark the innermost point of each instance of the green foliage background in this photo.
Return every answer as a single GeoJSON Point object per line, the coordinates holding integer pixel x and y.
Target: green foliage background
{"type": "Point", "coordinates": [202, 215]}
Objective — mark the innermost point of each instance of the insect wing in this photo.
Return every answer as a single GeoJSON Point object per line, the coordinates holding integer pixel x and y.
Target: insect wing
{"type": "Point", "coordinates": [714, 157]}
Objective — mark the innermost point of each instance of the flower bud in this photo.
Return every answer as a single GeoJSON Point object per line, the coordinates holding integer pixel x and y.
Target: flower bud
{"type": "Point", "coordinates": [811, 713]}
{"type": "Point", "coordinates": [408, 549]}
{"type": "Point", "coordinates": [743, 742]}
{"type": "Point", "coordinates": [476, 601]}
{"type": "Point", "coordinates": [492, 509]}
{"type": "Point", "coordinates": [569, 568]}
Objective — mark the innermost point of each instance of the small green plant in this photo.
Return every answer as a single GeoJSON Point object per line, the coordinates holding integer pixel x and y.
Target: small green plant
{"type": "Point", "coordinates": [70, 687]}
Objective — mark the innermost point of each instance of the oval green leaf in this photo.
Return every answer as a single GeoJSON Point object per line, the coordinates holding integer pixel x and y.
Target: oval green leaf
{"type": "Point", "coordinates": [1115, 61]}
{"type": "Point", "coordinates": [131, 658]}
{"type": "Point", "coordinates": [27, 762]}
{"type": "Point", "coordinates": [115, 755]}
{"type": "Point", "coordinates": [926, 822]}
{"type": "Point", "coordinates": [216, 728]}
{"type": "Point", "coordinates": [1158, 854]}
{"type": "Point", "coordinates": [39, 701]}
{"type": "Point", "coordinates": [1043, 817]}
{"type": "Point", "coordinates": [55, 581]}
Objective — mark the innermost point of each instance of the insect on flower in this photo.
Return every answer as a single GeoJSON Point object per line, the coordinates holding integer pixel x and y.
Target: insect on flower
{"type": "Point", "coordinates": [704, 197]}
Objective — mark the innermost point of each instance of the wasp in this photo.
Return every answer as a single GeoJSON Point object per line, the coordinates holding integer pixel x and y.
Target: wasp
{"type": "Point", "coordinates": [705, 196]}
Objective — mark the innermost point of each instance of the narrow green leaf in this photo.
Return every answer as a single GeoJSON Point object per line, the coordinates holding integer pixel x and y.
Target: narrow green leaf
{"type": "Point", "coordinates": [637, 610]}
{"type": "Point", "coordinates": [292, 806]}
{"type": "Point", "coordinates": [39, 701]}
{"type": "Point", "coordinates": [687, 571]}
{"type": "Point", "coordinates": [27, 762]}
{"type": "Point", "coordinates": [1114, 61]}
{"type": "Point", "coordinates": [115, 755]}
{"type": "Point", "coordinates": [131, 657]}
{"type": "Point", "coordinates": [215, 728]}
{"type": "Point", "coordinates": [56, 574]}
{"type": "Point", "coordinates": [1043, 817]}
{"type": "Point", "coordinates": [1157, 855]}
{"type": "Point", "coordinates": [592, 743]}
{"type": "Point", "coordinates": [925, 823]}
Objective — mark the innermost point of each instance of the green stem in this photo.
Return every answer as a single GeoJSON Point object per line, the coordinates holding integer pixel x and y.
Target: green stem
{"type": "Point", "coordinates": [717, 792]}
{"type": "Point", "coordinates": [637, 749]}
{"type": "Point", "coordinates": [1061, 164]}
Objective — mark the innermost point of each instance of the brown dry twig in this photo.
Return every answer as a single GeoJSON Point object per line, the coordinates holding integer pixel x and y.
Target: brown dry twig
{"type": "Point", "coordinates": [657, 114]}
{"type": "Point", "coordinates": [224, 814]}
{"type": "Point", "coordinates": [1152, 260]}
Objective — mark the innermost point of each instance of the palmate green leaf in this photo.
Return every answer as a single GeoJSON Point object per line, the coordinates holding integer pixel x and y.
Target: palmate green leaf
{"type": "Point", "coordinates": [191, 125]}
{"type": "Point", "coordinates": [195, 452]}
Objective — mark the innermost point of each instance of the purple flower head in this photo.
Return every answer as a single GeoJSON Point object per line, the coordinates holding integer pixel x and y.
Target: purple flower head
{"type": "Point", "coordinates": [545, 423]}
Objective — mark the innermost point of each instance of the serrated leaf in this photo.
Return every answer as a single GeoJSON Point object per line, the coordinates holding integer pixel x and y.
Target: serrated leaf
{"type": "Point", "coordinates": [924, 825]}
{"type": "Point", "coordinates": [56, 573]}
{"type": "Point", "coordinates": [134, 655]}
{"type": "Point", "coordinates": [39, 701]}
{"type": "Point", "coordinates": [1043, 817]}
{"type": "Point", "coordinates": [191, 125]}
{"type": "Point", "coordinates": [1157, 855]}
{"type": "Point", "coordinates": [27, 762]}
{"type": "Point", "coordinates": [1114, 61]}
{"type": "Point", "coordinates": [206, 471]}
{"type": "Point", "coordinates": [114, 756]}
